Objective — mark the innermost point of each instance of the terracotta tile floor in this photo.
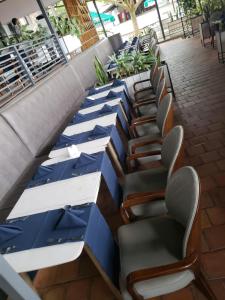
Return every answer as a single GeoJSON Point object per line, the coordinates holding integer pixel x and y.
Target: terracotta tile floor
{"type": "Point", "coordinates": [199, 82]}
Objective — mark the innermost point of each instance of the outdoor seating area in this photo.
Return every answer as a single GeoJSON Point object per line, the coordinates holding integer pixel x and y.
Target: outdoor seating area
{"type": "Point", "coordinates": [112, 157]}
{"type": "Point", "coordinates": [110, 187]}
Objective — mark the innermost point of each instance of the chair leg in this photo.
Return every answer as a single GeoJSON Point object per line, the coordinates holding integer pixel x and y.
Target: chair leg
{"type": "Point", "coordinates": [204, 287]}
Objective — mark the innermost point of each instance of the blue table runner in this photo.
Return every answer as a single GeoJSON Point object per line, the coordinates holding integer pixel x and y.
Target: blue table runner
{"type": "Point", "coordinates": [97, 133]}
{"type": "Point", "coordinates": [71, 224]}
{"type": "Point", "coordinates": [116, 83]}
{"type": "Point", "coordinates": [106, 110]}
{"type": "Point", "coordinates": [85, 164]}
{"type": "Point", "coordinates": [112, 95]}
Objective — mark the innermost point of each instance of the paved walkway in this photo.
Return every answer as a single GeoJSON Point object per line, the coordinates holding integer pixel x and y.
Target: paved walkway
{"type": "Point", "coordinates": [199, 82]}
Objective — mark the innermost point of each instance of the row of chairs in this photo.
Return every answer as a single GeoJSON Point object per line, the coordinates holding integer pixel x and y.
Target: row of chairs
{"type": "Point", "coordinates": [159, 243]}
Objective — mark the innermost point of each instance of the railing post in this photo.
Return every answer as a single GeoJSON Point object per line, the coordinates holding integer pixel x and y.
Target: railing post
{"type": "Point", "coordinates": [24, 65]}
{"type": "Point", "coordinates": [51, 28]}
{"type": "Point", "coordinates": [13, 285]}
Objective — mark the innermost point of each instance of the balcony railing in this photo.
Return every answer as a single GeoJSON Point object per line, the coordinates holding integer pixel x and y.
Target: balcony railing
{"type": "Point", "coordinates": [23, 64]}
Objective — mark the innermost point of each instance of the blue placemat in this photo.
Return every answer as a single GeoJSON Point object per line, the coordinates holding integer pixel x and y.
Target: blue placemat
{"type": "Point", "coordinates": [85, 164]}
{"type": "Point", "coordinates": [97, 133]}
{"type": "Point", "coordinates": [60, 226]}
{"type": "Point", "coordinates": [115, 83]}
{"type": "Point", "coordinates": [123, 95]}
{"type": "Point", "coordinates": [106, 110]}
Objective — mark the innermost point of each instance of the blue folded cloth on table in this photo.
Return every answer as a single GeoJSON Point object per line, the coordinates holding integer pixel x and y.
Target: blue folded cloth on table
{"type": "Point", "coordinates": [78, 118]}
{"type": "Point", "coordinates": [70, 218]}
{"type": "Point", "coordinates": [42, 172]}
{"type": "Point", "coordinates": [64, 141]}
{"type": "Point", "coordinates": [8, 232]}
{"type": "Point", "coordinates": [99, 132]}
{"type": "Point", "coordinates": [112, 95]}
{"type": "Point", "coordinates": [92, 91]}
{"type": "Point", "coordinates": [84, 160]}
{"type": "Point", "coordinates": [117, 82]}
{"type": "Point", "coordinates": [106, 109]}
{"type": "Point", "coordinates": [87, 102]}
{"type": "Point", "coordinates": [66, 225]}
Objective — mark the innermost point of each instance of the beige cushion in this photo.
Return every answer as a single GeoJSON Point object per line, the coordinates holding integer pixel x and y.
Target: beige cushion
{"type": "Point", "coordinates": [150, 243]}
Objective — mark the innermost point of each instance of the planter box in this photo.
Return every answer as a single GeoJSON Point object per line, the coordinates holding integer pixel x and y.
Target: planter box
{"type": "Point", "coordinates": [70, 43]}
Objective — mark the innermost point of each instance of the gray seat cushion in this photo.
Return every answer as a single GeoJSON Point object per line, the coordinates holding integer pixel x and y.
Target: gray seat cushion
{"type": "Point", "coordinates": [147, 159]}
{"type": "Point", "coordinates": [148, 110]}
{"type": "Point", "coordinates": [153, 209]}
{"type": "Point", "coordinates": [151, 243]}
{"type": "Point", "coordinates": [152, 147]}
{"type": "Point", "coordinates": [145, 94]}
{"type": "Point", "coordinates": [148, 129]}
{"type": "Point", "coordinates": [151, 180]}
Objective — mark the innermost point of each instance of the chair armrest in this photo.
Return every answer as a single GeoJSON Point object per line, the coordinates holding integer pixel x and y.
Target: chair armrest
{"type": "Point", "coordinates": [143, 196]}
{"type": "Point", "coordinates": [149, 273]}
{"type": "Point", "coordinates": [147, 101]}
{"type": "Point", "coordinates": [142, 90]}
{"type": "Point", "coordinates": [145, 143]}
{"type": "Point", "coordinates": [140, 155]}
{"type": "Point", "coordinates": [143, 120]}
{"type": "Point", "coordinates": [139, 82]}
{"type": "Point", "coordinates": [133, 126]}
{"type": "Point", "coordinates": [125, 210]}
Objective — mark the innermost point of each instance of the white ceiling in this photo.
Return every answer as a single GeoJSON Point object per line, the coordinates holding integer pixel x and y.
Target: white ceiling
{"type": "Point", "coordinates": [18, 8]}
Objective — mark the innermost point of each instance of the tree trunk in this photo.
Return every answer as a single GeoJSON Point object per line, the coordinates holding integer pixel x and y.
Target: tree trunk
{"type": "Point", "coordinates": [134, 22]}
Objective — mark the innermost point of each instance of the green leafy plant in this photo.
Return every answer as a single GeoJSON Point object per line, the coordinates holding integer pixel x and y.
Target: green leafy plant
{"type": "Point", "coordinates": [65, 26]}
{"type": "Point", "coordinates": [100, 72]}
{"type": "Point", "coordinates": [132, 63]}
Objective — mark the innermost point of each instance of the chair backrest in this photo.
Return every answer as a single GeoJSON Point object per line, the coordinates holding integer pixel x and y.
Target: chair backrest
{"type": "Point", "coordinates": [163, 112]}
{"type": "Point", "coordinates": [182, 201]}
{"type": "Point", "coordinates": [161, 90]}
{"type": "Point", "coordinates": [154, 71]}
{"type": "Point", "coordinates": [159, 74]}
{"type": "Point", "coordinates": [171, 148]}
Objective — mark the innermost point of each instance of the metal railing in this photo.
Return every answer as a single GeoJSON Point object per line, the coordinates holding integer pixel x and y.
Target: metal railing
{"type": "Point", "coordinates": [24, 64]}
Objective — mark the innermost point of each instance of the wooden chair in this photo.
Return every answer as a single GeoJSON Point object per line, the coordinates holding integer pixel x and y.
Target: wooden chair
{"type": "Point", "coordinates": [148, 93]}
{"type": "Point", "coordinates": [150, 107]}
{"type": "Point", "coordinates": [143, 184]}
{"type": "Point", "coordinates": [154, 126]}
{"type": "Point", "coordinates": [161, 255]}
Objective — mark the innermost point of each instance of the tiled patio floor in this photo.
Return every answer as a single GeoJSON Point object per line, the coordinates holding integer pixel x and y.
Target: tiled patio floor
{"type": "Point", "coordinates": [199, 82]}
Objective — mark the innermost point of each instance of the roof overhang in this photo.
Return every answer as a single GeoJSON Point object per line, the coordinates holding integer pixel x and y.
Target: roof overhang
{"type": "Point", "coordinates": [18, 8]}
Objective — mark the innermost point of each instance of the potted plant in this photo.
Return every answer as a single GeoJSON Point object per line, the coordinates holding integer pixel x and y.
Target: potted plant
{"type": "Point", "coordinates": [69, 31]}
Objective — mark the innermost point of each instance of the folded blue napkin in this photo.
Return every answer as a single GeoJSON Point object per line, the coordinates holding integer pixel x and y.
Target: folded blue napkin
{"type": "Point", "coordinates": [98, 131]}
{"type": "Point", "coordinates": [8, 232]}
{"type": "Point", "coordinates": [42, 172]}
{"type": "Point", "coordinates": [111, 95]}
{"type": "Point", "coordinates": [84, 159]}
{"type": "Point", "coordinates": [106, 109]}
{"type": "Point", "coordinates": [87, 102]}
{"type": "Point", "coordinates": [70, 218]}
{"type": "Point", "coordinates": [117, 82]}
{"type": "Point", "coordinates": [92, 91]}
{"type": "Point", "coordinates": [79, 117]}
{"type": "Point", "coordinates": [64, 139]}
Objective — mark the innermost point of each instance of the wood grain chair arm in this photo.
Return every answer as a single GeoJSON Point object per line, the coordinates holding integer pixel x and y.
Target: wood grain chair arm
{"type": "Point", "coordinates": [132, 128]}
{"type": "Point", "coordinates": [125, 209]}
{"type": "Point", "coordinates": [144, 143]}
{"type": "Point", "coordinates": [145, 119]}
{"type": "Point", "coordinates": [149, 273]}
{"type": "Point", "coordinates": [144, 102]}
{"type": "Point", "coordinates": [139, 82]}
{"type": "Point", "coordinates": [134, 157]}
{"type": "Point", "coordinates": [142, 198]}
